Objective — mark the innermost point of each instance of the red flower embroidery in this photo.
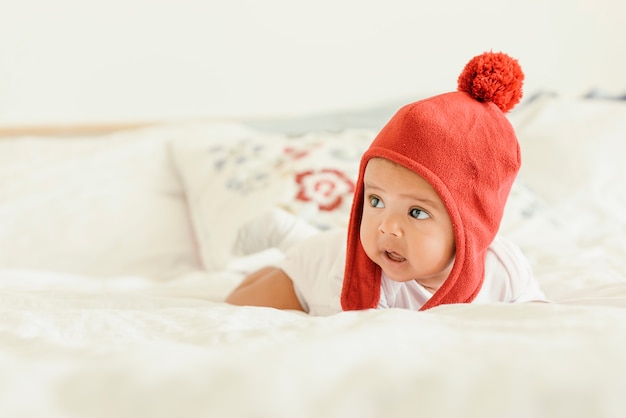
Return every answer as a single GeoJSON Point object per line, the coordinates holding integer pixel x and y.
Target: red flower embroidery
{"type": "Point", "coordinates": [326, 187]}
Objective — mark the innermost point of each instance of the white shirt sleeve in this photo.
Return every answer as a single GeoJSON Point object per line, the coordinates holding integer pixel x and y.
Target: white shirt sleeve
{"type": "Point", "coordinates": [508, 276]}
{"type": "Point", "coordinates": [316, 267]}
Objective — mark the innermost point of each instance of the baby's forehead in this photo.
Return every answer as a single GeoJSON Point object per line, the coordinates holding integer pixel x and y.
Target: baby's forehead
{"type": "Point", "coordinates": [381, 166]}
{"type": "Point", "coordinates": [381, 171]}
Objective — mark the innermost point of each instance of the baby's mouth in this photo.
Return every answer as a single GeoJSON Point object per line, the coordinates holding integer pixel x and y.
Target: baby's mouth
{"type": "Point", "coordinates": [394, 256]}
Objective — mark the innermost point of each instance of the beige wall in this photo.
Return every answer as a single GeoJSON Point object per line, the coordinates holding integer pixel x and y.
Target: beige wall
{"type": "Point", "coordinates": [75, 61]}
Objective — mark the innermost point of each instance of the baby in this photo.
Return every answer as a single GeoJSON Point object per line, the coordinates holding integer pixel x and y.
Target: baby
{"type": "Point", "coordinates": [428, 203]}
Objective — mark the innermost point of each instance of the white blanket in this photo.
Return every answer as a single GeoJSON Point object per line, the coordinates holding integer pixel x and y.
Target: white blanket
{"type": "Point", "coordinates": [75, 344]}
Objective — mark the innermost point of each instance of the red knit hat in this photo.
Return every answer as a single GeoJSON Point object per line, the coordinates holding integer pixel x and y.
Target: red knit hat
{"type": "Point", "coordinates": [464, 146]}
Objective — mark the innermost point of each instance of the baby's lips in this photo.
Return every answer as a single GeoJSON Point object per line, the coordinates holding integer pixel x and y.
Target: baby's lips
{"type": "Point", "coordinates": [394, 256]}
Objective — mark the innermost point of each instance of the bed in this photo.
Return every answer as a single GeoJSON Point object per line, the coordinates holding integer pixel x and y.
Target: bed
{"type": "Point", "coordinates": [118, 248]}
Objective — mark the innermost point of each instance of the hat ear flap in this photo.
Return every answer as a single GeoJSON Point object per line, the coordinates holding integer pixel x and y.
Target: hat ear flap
{"type": "Point", "coordinates": [362, 277]}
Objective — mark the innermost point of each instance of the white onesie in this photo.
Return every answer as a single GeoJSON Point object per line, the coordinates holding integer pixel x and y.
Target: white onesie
{"type": "Point", "coordinates": [316, 266]}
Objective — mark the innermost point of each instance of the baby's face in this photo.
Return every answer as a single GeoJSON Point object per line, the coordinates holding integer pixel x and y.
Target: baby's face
{"type": "Point", "coordinates": [405, 227]}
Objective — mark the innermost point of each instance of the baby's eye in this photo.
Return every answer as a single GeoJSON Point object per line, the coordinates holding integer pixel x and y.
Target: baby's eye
{"type": "Point", "coordinates": [376, 202]}
{"type": "Point", "coordinates": [419, 214]}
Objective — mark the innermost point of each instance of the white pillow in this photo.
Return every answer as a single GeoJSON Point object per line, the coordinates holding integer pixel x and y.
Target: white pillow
{"type": "Point", "coordinates": [234, 180]}
{"type": "Point", "coordinates": [571, 146]}
{"type": "Point", "coordinates": [96, 205]}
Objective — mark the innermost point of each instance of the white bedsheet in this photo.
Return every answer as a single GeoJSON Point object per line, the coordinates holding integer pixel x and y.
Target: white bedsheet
{"type": "Point", "coordinates": [77, 348]}
{"type": "Point", "coordinates": [80, 345]}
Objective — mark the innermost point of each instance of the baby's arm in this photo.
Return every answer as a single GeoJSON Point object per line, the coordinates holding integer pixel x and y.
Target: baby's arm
{"type": "Point", "coordinates": [269, 287]}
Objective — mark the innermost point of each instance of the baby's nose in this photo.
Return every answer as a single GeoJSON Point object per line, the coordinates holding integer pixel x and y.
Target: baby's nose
{"type": "Point", "coordinates": [391, 224]}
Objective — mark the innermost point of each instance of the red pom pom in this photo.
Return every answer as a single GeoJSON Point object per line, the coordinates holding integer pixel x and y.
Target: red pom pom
{"type": "Point", "coordinates": [493, 77]}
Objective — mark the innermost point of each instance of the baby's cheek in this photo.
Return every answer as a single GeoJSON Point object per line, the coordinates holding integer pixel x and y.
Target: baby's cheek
{"type": "Point", "coordinates": [368, 239]}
